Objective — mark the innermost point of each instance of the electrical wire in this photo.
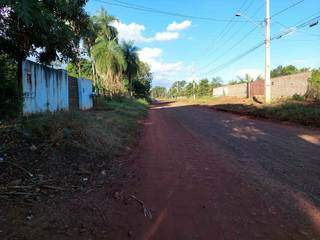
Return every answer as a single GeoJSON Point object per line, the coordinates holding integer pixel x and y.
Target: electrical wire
{"type": "Point", "coordinates": [235, 44]}
{"type": "Point", "coordinates": [276, 37]}
{"type": "Point", "coordinates": [153, 10]}
{"type": "Point", "coordinates": [287, 8]}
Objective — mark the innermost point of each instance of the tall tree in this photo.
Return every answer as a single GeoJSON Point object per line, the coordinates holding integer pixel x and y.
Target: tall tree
{"type": "Point", "coordinates": [203, 88]}
{"type": "Point", "coordinates": [84, 70]}
{"type": "Point", "coordinates": [132, 59]}
{"type": "Point", "coordinates": [48, 30]}
{"type": "Point", "coordinates": [100, 26]}
{"type": "Point", "coordinates": [142, 83]}
{"type": "Point", "coordinates": [110, 64]}
{"type": "Point", "coordinates": [159, 92]}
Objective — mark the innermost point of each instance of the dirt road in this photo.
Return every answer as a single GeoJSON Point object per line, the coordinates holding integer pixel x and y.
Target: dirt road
{"type": "Point", "coordinates": [212, 175]}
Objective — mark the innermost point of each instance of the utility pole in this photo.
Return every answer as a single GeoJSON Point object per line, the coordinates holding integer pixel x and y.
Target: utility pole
{"type": "Point", "coordinates": [267, 60]}
{"type": "Point", "coordinates": [177, 90]}
{"type": "Point", "coordinates": [193, 85]}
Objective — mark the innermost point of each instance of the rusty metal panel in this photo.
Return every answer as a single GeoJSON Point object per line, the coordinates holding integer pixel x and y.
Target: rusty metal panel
{"type": "Point", "coordinates": [257, 88]}
{"type": "Point", "coordinates": [85, 93]}
{"type": "Point", "coordinates": [44, 88]}
{"type": "Point", "coordinates": [73, 93]}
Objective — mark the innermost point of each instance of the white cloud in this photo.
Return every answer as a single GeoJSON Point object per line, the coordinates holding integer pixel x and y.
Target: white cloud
{"type": "Point", "coordinates": [179, 26]}
{"type": "Point", "coordinates": [146, 54]}
{"type": "Point", "coordinates": [130, 32]}
{"type": "Point", "coordinates": [254, 73]}
{"type": "Point", "coordinates": [135, 32]}
{"type": "Point", "coordinates": [166, 36]}
{"type": "Point", "coordinates": [162, 71]}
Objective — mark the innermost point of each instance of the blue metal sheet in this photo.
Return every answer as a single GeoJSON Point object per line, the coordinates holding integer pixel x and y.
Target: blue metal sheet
{"type": "Point", "coordinates": [85, 93]}
{"type": "Point", "coordinates": [44, 88]}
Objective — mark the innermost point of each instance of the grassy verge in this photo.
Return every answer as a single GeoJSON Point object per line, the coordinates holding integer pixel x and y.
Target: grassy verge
{"type": "Point", "coordinates": [67, 150]}
{"type": "Point", "coordinates": [307, 114]}
{"type": "Point", "coordinates": [297, 111]}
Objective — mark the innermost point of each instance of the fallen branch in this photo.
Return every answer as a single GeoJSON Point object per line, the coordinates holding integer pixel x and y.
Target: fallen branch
{"type": "Point", "coordinates": [100, 213]}
{"type": "Point", "coordinates": [52, 187]}
{"type": "Point", "coordinates": [146, 211]}
{"type": "Point", "coordinates": [19, 167]}
{"type": "Point", "coordinates": [19, 193]}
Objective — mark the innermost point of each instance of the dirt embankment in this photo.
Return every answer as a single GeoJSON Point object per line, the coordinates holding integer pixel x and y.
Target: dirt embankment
{"type": "Point", "coordinates": [59, 171]}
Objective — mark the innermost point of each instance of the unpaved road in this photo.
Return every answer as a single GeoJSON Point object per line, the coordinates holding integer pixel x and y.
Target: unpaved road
{"type": "Point", "coordinates": [212, 175]}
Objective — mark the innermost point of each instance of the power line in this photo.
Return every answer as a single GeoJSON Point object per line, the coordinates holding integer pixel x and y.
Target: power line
{"type": "Point", "coordinates": [231, 25]}
{"type": "Point", "coordinates": [223, 32]}
{"type": "Point", "coordinates": [231, 48]}
{"type": "Point", "coordinates": [287, 8]}
{"type": "Point", "coordinates": [276, 37]}
{"type": "Point", "coordinates": [152, 10]}
{"type": "Point", "coordinates": [235, 44]}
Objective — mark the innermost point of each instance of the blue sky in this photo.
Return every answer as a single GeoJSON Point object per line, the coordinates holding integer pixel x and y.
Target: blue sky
{"type": "Point", "coordinates": [177, 46]}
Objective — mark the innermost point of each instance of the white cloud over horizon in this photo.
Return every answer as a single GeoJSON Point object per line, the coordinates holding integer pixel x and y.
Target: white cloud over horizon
{"type": "Point", "coordinates": [166, 36]}
{"type": "Point", "coordinates": [136, 32]}
{"type": "Point", "coordinates": [163, 72]}
{"type": "Point", "coordinates": [179, 26]}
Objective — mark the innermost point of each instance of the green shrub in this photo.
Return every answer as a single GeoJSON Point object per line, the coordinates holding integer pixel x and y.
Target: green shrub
{"type": "Point", "coordinates": [10, 93]}
{"type": "Point", "coordinates": [314, 88]}
{"type": "Point", "coordinates": [297, 97]}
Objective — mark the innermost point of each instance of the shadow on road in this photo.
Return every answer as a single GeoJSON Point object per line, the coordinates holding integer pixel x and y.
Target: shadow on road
{"type": "Point", "coordinates": [284, 159]}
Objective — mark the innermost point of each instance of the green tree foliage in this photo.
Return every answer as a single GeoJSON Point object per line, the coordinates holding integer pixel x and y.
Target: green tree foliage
{"type": "Point", "coordinates": [49, 30]}
{"type": "Point", "coordinates": [82, 68]}
{"type": "Point", "coordinates": [159, 92]}
{"type": "Point", "coordinates": [142, 83]}
{"type": "Point", "coordinates": [314, 89]}
{"type": "Point", "coordinates": [10, 98]}
{"type": "Point", "coordinates": [131, 57]}
{"type": "Point", "coordinates": [203, 88]}
{"type": "Point", "coordinates": [286, 70]}
{"type": "Point", "coordinates": [110, 64]}
{"type": "Point", "coordinates": [190, 89]}
{"type": "Point", "coordinates": [216, 82]}
{"type": "Point", "coordinates": [177, 89]}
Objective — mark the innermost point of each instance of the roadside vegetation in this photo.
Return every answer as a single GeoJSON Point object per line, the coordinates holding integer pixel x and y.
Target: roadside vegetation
{"type": "Point", "coordinates": [89, 45]}
{"type": "Point", "coordinates": [52, 153]}
{"type": "Point", "coordinates": [66, 152]}
{"type": "Point", "coordinates": [290, 110]}
{"type": "Point", "coordinates": [299, 109]}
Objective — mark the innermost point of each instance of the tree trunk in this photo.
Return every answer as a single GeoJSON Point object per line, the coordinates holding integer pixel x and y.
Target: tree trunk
{"type": "Point", "coordinates": [20, 80]}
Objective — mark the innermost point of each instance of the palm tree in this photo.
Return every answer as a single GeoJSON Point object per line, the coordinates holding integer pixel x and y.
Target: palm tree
{"type": "Point", "coordinates": [110, 63]}
{"type": "Point", "coordinates": [132, 59]}
{"type": "Point", "coordinates": [100, 26]}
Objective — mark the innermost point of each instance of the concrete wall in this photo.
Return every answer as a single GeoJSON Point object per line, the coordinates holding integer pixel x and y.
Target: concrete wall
{"type": "Point", "coordinates": [85, 90]}
{"type": "Point", "coordinates": [285, 86]}
{"type": "Point", "coordinates": [220, 91]}
{"type": "Point", "coordinates": [238, 90]}
{"type": "Point", "coordinates": [44, 88]}
{"type": "Point", "coordinates": [288, 86]}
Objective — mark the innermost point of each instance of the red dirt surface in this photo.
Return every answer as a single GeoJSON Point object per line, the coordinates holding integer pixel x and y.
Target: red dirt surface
{"type": "Point", "coordinates": [200, 188]}
{"type": "Point", "coordinates": [204, 174]}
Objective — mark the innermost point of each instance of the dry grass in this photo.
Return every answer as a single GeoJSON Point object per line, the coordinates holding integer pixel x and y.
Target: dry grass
{"type": "Point", "coordinates": [70, 150]}
{"type": "Point", "coordinates": [297, 111]}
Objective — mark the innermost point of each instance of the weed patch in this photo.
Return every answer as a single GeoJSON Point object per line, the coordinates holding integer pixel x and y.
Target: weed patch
{"type": "Point", "coordinates": [67, 150]}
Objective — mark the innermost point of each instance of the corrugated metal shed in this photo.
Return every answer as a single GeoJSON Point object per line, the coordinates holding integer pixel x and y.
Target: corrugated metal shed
{"type": "Point", "coordinates": [85, 93]}
{"type": "Point", "coordinates": [44, 88]}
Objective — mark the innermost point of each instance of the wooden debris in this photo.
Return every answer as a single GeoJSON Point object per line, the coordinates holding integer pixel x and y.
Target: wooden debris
{"type": "Point", "coordinates": [146, 211]}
